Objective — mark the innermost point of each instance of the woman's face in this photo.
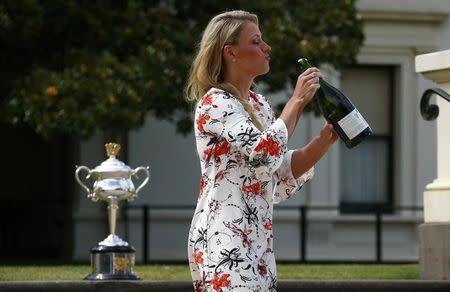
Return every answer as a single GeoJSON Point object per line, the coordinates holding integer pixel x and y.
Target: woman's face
{"type": "Point", "coordinates": [251, 52]}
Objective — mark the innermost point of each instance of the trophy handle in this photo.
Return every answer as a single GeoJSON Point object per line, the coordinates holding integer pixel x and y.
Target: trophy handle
{"type": "Point", "coordinates": [77, 177]}
{"type": "Point", "coordinates": [147, 174]}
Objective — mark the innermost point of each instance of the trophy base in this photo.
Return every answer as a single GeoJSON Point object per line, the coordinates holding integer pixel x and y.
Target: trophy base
{"type": "Point", "coordinates": [112, 263]}
{"type": "Point", "coordinates": [111, 277]}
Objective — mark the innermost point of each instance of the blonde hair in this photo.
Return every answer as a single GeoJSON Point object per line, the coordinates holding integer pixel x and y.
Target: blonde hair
{"type": "Point", "coordinates": [208, 67]}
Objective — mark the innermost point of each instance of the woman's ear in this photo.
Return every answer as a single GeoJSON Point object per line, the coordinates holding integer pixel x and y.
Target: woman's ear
{"type": "Point", "coordinates": [228, 53]}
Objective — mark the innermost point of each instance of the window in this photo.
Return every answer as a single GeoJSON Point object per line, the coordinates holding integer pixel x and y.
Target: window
{"type": "Point", "coordinates": [366, 170]}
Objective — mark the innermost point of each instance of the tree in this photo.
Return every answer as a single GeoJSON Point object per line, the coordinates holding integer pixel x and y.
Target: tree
{"type": "Point", "coordinates": [73, 66]}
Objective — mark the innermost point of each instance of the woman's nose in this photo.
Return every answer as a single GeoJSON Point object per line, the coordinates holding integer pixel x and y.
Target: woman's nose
{"type": "Point", "coordinates": [267, 48]}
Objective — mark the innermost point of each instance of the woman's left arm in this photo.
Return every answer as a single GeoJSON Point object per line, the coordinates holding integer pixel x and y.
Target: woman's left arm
{"type": "Point", "coordinates": [306, 157]}
{"type": "Point", "coordinates": [298, 165]}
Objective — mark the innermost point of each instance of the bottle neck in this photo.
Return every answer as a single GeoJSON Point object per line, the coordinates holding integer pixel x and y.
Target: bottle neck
{"type": "Point", "coordinates": [304, 64]}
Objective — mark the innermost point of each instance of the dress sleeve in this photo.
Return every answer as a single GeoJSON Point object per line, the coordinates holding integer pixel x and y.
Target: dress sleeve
{"type": "Point", "coordinates": [285, 183]}
{"type": "Point", "coordinates": [222, 115]}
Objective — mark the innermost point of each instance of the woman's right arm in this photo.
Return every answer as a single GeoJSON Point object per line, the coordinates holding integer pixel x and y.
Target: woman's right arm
{"type": "Point", "coordinates": [222, 117]}
{"type": "Point", "coordinates": [305, 88]}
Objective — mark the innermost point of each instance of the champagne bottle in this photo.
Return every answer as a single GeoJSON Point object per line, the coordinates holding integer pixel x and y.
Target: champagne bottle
{"type": "Point", "coordinates": [339, 111]}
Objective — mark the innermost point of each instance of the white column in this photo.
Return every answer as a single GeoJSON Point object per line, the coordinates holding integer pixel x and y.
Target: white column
{"type": "Point", "coordinates": [436, 67]}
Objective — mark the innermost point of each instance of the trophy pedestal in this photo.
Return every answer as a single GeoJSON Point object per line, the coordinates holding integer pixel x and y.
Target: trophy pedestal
{"type": "Point", "coordinates": [112, 263]}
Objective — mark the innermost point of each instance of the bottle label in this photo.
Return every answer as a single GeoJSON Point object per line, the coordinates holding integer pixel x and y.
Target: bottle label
{"type": "Point", "coordinates": [353, 124]}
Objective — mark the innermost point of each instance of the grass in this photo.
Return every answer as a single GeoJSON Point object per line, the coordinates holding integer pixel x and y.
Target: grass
{"type": "Point", "coordinates": [349, 272]}
{"type": "Point", "coordinates": [181, 272]}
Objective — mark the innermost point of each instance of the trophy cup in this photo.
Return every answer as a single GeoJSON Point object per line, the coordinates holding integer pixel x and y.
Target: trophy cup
{"type": "Point", "coordinates": [112, 258]}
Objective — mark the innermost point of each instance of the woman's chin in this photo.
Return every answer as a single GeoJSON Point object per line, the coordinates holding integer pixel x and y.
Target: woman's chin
{"type": "Point", "coordinates": [263, 71]}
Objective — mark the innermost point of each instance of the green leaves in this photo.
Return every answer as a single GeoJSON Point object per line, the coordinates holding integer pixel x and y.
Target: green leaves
{"type": "Point", "coordinates": [103, 92]}
{"type": "Point", "coordinates": [74, 66]}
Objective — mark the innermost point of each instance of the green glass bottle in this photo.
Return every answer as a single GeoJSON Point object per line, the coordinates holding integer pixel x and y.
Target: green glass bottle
{"type": "Point", "coordinates": [339, 111]}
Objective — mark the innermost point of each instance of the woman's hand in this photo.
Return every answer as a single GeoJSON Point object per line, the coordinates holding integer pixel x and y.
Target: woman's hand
{"type": "Point", "coordinates": [328, 135]}
{"type": "Point", "coordinates": [307, 85]}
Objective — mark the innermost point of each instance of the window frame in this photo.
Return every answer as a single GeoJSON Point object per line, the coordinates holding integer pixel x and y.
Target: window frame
{"type": "Point", "coordinates": [348, 207]}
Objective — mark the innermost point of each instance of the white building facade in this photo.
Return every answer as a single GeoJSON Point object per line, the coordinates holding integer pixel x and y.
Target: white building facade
{"type": "Point", "coordinates": [390, 169]}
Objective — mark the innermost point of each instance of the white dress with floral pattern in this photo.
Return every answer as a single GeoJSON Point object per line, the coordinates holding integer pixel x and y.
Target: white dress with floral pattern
{"type": "Point", "coordinates": [243, 173]}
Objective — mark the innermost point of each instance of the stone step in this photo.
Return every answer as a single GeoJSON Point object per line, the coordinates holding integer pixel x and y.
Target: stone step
{"type": "Point", "coordinates": [185, 286]}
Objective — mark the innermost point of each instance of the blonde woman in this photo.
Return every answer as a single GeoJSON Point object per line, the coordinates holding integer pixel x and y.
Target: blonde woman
{"type": "Point", "coordinates": [245, 164]}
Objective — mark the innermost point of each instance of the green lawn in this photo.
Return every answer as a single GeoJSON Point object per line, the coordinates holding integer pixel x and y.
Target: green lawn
{"type": "Point", "coordinates": [181, 272]}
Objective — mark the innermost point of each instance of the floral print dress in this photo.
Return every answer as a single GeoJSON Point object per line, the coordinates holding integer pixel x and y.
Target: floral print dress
{"type": "Point", "coordinates": [243, 173]}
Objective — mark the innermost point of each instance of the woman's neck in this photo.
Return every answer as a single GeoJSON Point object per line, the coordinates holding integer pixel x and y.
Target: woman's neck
{"type": "Point", "coordinates": [242, 83]}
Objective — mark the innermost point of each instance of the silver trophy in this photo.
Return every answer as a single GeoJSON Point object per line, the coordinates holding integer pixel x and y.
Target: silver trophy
{"type": "Point", "coordinates": [112, 258]}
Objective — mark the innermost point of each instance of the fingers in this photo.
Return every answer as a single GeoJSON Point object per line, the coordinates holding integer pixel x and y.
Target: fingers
{"type": "Point", "coordinates": [307, 84]}
{"type": "Point", "coordinates": [334, 137]}
{"type": "Point", "coordinates": [311, 73]}
{"type": "Point", "coordinates": [311, 70]}
{"type": "Point", "coordinates": [310, 91]}
{"type": "Point", "coordinates": [308, 78]}
{"type": "Point", "coordinates": [327, 128]}
{"type": "Point", "coordinates": [329, 133]}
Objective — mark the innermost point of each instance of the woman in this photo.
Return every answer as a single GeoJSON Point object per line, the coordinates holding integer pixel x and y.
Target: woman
{"type": "Point", "coordinates": [245, 165]}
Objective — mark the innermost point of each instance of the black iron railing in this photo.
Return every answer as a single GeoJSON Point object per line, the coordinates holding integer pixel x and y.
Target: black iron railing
{"type": "Point", "coordinates": [378, 213]}
{"type": "Point", "coordinates": [431, 111]}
